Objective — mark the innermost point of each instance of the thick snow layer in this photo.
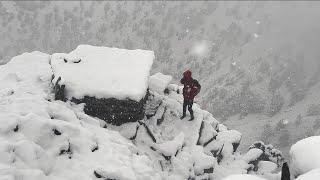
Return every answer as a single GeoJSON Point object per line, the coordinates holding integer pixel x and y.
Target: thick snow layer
{"type": "Point", "coordinates": [252, 155]}
{"type": "Point", "coordinates": [305, 155]}
{"type": "Point", "coordinates": [243, 177]}
{"type": "Point", "coordinates": [170, 148]}
{"type": "Point", "coordinates": [231, 136]}
{"type": "Point", "coordinates": [267, 167]}
{"type": "Point", "coordinates": [311, 175]}
{"type": "Point", "coordinates": [103, 72]}
{"type": "Point", "coordinates": [51, 140]}
{"type": "Point", "coordinates": [159, 82]}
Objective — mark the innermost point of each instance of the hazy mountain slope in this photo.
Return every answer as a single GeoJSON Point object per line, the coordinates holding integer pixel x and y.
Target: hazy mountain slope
{"type": "Point", "coordinates": [250, 57]}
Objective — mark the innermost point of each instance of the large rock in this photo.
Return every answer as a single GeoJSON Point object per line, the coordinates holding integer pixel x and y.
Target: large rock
{"type": "Point", "coordinates": [111, 82]}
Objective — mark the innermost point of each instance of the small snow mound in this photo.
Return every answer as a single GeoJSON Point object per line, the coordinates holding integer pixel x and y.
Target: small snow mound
{"type": "Point", "coordinates": [243, 177]}
{"type": "Point", "coordinates": [104, 72]}
{"type": "Point", "coordinates": [305, 155]}
{"type": "Point", "coordinates": [267, 167]}
{"type": "Point", "coordinates": [159, 82]}
{"type": "Point", "coordinates": [170, 148]}
{"type": "Point", "coordinates": [231, 136]}
{"type": "Point", "coordinates": [252, 155]}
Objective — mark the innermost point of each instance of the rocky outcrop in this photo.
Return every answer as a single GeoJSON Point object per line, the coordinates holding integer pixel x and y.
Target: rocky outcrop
{"type": "Point", "coordinates": [111, 110]}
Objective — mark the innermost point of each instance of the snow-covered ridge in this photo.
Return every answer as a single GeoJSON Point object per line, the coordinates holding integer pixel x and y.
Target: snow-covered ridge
{"type": "Point", "coordinates": [62, 142]}
{"type": "Point", "coordinates": [104, 72]}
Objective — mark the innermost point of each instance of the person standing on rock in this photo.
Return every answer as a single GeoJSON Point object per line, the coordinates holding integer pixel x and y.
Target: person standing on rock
{"type": "Point", "coordinates": [191, 88]}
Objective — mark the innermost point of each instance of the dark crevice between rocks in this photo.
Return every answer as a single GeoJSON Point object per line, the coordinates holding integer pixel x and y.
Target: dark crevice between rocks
{"type": "Point", "coordinates": [200, 132]}
{"type": "Point", "coordinates": [235, 146]}
{"type": "Point", "coordinates": [66, 151]}
{"type": "Point", "coordinates": [148, 131]}
{"type": "Point", "coordinates": [209, 170]}
{"type": "Point", "coordinates": [219, 155]}
{"type": "Point", "coordinates": [152, 148]}
{"type": "Point", "coordinates": [135, 134]}
{"type": "Point", "coordinates": [59, 91]}
{"type": "Point", "coordinates": [97, 175]}
{"type": "Point", "coordinates": [11, 92]}
{"type": "Point", "coordinates": [285, 173]}
{"type": "Point", "coordinates": [56, 132]}
{"type": "Point", "coordinates": [160, 120]}
{"type": "Point", "coordinates": [16, 129]}
{"type": "Point", "coordinates": [168, 158]}
{"type": "Point", "coordinates": [210, 140]}
{"type": "Point", "coordinates": [78, 61]}
{"type": "Point", "coordinates": [161, 165]}
{"type": "Point", "coordinates": [95, 148]}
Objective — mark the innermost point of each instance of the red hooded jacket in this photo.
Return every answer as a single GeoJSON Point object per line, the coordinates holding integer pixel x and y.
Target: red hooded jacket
{"type": "Point", "coordinates": [191, 87]}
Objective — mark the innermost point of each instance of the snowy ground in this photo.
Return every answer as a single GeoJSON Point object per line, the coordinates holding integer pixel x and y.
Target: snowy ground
{"type": "Point", "coordinates": [45, 139]}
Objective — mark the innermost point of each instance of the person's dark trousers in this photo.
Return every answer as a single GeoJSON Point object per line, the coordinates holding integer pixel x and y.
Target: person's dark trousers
{"type": "Point", "coordinates": [187, 104]}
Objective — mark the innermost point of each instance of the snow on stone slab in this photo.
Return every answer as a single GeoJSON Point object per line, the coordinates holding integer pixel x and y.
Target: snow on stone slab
{"type": "Point", "coordinates": [207, 132]}
{"type": "Point", "coordinates": [103, 72]}
{"type": "Point", "coordinates": [311, 175]}
{"type": "Point", "coordinates": [267, 167]}
{"type": "Point", "coordinates": [201, 160]}
{"type": "Point", "coordinates": [159, 82]}
{"type": "Point", "coordinates": [231, 136]}
{"type": "Point", "coordinates": [222, 127]}
{"type": "Point", "coordinates": [252, 155]}
{"type": "Point", "coordinates": [243, 177]}
{"type": "Point", "coordinates": [305, 155]}
{"type": "Point", "coordinates": [170, 148]}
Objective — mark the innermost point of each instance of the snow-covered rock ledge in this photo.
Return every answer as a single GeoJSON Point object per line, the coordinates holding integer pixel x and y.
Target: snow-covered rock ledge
{"type": "Point", "coordinates": [44, 139]}
{"type": "Point", "coordinates": [111, 82]}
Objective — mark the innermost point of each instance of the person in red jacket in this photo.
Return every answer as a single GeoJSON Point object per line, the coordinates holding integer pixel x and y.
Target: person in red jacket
{"type": "Point", "coordinates": [191, 88]}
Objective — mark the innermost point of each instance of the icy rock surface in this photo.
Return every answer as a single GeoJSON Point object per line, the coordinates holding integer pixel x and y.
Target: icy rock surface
{"type": "Point", "coordinates": [103, 72]}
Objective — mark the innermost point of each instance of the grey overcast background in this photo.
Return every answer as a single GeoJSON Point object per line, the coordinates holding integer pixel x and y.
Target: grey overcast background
{"type": "Point", "coordinates": [258, 62]}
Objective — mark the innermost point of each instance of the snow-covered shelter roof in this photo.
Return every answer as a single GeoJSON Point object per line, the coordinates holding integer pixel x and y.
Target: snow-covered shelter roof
{"type": "Point", "coordinates": [103, 72]}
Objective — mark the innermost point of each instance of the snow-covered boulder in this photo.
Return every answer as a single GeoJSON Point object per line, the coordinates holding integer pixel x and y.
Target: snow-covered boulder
{"type": "Point", "coordinates": [305, 155]}
{"type": "Point", "coordinates": [42, 139]}
{"type": "Point", "coordinates": [111, 82]}
{"type": "Point", "coordinates": [159, 82]}
{"type": "Point", "coordinates": [243, 177]}
{"type": "Point", "coordinates": [266, 167]}
{"type": "Point", "coordinates": [171, 148]}
{"type": "Point", "coordinates": [269, 152]}
{"type": "Point", "coordinates": [311, 175]}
